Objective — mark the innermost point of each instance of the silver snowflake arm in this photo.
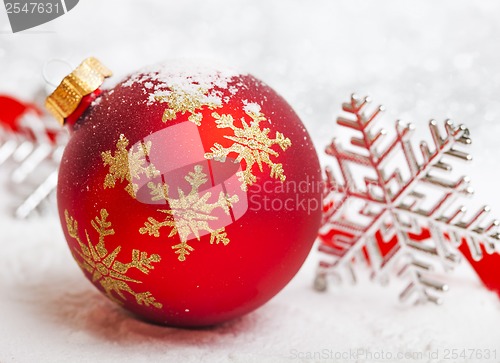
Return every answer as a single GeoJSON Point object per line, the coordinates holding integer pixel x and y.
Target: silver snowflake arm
{"type": "Point", "coordinates": [34, 155]}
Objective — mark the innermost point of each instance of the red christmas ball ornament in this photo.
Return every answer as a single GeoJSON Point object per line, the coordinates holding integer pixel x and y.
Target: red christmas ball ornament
{"type": "Point", "coordinates": [190, 195]}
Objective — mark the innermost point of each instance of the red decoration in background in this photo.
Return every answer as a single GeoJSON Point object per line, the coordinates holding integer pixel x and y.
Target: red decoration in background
{"type": "Point", "coordinates": [488, 268]}
{"type": "Point", "coordinates": [11, 110]}
{"type": "Point", "coordinates": [32, 147]}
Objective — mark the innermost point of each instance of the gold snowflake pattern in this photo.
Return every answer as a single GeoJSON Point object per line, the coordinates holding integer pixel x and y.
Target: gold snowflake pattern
{"type": "Point", "coordinates": [104, 267]}
{"type": "Point", "coordinates": [252, 144]}
{"type": "Point", "coordinates": [189, 214]}
{"type": "Point", "coordinates": [186, 101]}
{"type": "Point", "coordinates": [127, 165]}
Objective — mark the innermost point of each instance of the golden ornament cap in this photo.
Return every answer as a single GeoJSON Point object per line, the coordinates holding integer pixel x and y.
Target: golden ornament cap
{"type": "Point", "coordinates": [84, 80]}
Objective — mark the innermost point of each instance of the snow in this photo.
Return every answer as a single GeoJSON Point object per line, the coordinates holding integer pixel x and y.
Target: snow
{"type": "Point", "coordinates": [194, 77]}
{"type": "Point", "coordinates": [421, 59]}
{"type": "Point", "coordinates": [183, 72]}
{"type": "Point", "coordinates": [251, 107]}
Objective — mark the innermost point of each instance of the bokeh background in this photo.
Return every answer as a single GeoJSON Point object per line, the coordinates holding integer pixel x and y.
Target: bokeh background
{"type": "Point", "coordinates": [422, 59]}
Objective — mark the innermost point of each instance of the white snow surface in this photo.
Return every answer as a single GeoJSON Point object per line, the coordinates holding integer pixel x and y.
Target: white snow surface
{"type": "Point", "coordinates": [422, 59]}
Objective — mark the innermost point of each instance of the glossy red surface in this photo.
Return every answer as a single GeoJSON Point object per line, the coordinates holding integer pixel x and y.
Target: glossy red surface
{"type": "Point", "coordinates": [271, 227]}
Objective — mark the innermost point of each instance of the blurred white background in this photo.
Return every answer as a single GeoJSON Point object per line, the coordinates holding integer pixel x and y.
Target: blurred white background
{"type": "Point", "coordinates": [422, 59]}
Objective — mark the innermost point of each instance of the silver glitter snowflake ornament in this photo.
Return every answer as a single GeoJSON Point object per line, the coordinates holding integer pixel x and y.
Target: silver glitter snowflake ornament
{"type": "Point", "coordinates": [398, 211]}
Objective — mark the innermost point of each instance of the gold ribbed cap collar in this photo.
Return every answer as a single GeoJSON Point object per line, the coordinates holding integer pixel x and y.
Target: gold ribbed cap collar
{"type": "Point", "coordinates": [84, 80]}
